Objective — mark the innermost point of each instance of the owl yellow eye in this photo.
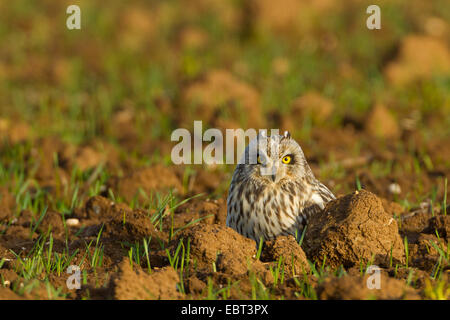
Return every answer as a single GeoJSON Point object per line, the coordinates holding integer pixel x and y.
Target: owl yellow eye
{"type": "Point", "coordinates": [258, 160]}
{"type": "Point", "coordinates": [286, 159]}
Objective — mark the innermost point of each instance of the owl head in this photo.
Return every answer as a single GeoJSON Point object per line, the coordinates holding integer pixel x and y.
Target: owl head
{"type": "Point", "coordinates": [272, 158]}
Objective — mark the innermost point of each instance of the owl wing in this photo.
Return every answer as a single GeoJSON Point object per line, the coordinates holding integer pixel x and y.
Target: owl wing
{"type": "Point", "coordinates": [320, 196]}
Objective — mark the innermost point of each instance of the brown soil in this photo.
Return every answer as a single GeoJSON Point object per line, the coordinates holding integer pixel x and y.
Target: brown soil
{"type": "Point", "coordinates": [419, 56]}
{"type": "Point", "coordinates": [209, 211]}
{"type": "Point", "coordinates": [139, 285]}
{"type": "Point", "coordinates": [355, 288]}
{"type": "Point", "coordinates": [130, 226]}
{"type": "Point", "coordinates": [221, 89]}
{"type": "Point", "coordinates": [221, 246]}
{"type": "Point", "coordinates": [354, 228]}
{"type": "Point", "coordinates": [292, 255]}
{"type": "Point", "coordinates": [311, 105]}
{"type": "Point", "coordinates": [381, 123]}
{"type": "Point", "coordinates": [7, 294]}
{"type": "Point", "coordinates": [149, 180]}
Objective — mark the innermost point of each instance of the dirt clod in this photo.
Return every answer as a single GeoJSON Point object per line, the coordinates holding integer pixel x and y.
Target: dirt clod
{"type": "Point", "coordinates": [210, 211]}
{"type": "Point", "coordinates": [441, 224]}
{"type": "Point", "coordinates": [381, 123]}
{"type": "Point", "coordinates": [231, 252]}
{"type": "Point", "coordinates": [294, 259]}
{"type": "Point", "coordinates": [100, 207]}
{"type": "Point", "coordinates": [7, 294]}
{"type": "Point", "coordinates": [357, 288]}
{"type": "Point", "coordinates": [132, 226]}
{"type": "Point", "coordinates": [352, 228]}
{"type": "Point", "coordinates": [220, 88]}
{"type": "Point", "coordinates": [52, 220]}
{"type": "Point", "coordinates": [136, 284]}
{"type": "Point", "coordinates": [148, 180]}
{"type": "Point", "coordinates": [420, 57]}
{"type": "Point", "coordinates": [392, 208]}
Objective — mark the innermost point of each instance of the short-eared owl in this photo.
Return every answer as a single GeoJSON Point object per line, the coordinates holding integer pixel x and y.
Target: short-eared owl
{"type": "Point", "coordinates": [273, 190]}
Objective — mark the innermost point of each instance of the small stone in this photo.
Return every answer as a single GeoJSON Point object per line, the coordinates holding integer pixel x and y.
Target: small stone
{"type": "Point", "coordinates": [394, 188]}
{"type": "Point", "coordinates": [72, 222]}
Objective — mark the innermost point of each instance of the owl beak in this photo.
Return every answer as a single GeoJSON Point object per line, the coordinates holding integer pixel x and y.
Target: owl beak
{"type": "Point", "coordinates": [273, 174]}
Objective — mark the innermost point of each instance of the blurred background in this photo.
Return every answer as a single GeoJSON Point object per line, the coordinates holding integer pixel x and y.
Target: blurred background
{"type": "Point", "coordinates": [370, 108]}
